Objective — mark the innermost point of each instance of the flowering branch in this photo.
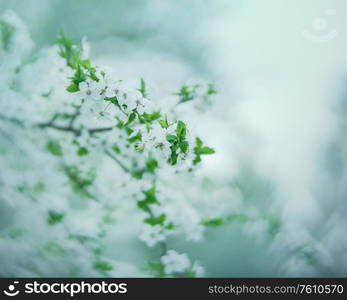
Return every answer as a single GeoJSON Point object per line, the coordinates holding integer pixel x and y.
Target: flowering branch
{"type": "Point", "coordinates": [144, 129]}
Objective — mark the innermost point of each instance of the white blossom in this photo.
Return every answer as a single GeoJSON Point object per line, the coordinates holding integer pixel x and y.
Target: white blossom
{"type": "Point", "coordinates": [90, 90]}
{"type": "Point", "coordinates": [152, 235]}
{"type": "Point", "coordinates": [145, 106]}
{"type": "Point", "coordinates": [174, 262]}
{"type": "Point", "coordinates": [198, 270]}
{"type": "Point", "coordinates": [112, 90]}
{"type": "Point", "coordinates": [155, 140]}
{"type": "Point", "coordinates": [193, 231]}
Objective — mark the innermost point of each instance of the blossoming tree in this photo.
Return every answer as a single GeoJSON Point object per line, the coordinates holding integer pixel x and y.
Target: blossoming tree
{"type": "Point", "coordinates": [93, 163]}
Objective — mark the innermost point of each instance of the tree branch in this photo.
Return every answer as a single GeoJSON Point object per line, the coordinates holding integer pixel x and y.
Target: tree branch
{"type": "Point", "coordinates": [73, 130]}
{"type": "Point", "coordinates": [109, 154]}
{"type": "Point", "coordinates": [84, 190]}
{"type": "Point", "coordinates": [75, 115]}
{"type": "Point", "coordinates": [12, 120]}
{"type": "Point", "coordinates": [100, 129]}
{"type": "Point", "coordinates": [59, 127]}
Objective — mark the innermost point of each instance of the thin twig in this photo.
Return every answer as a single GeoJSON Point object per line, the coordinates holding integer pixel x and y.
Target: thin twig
{"type": "Point", "coordinates": [73, 130]}
{"type": "Point", "coordinates": [162, 244]}
{"type": "Point", "coordinates": [83, 189]}
{"type": "Point", "coordinates": [12, 120]}
{"type": "Point", "coordinates": [59, 127]}
{"type": "Point", "coordinates": [115, 158]}
{"type": "Point", "coordinates": [100, 129]}
{"type": "Point", "coordinates": [11, 140]}
{"type": "Point", "coordinates": [75, 115]}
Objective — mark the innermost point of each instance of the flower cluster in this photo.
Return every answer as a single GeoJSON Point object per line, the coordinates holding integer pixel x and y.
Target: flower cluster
{"type": "Point", "coordinates": [200, 94]}
{"type": "Point", "coordinates": [153, 234]}
{"type": "Point", "coordinates": [175, 263]}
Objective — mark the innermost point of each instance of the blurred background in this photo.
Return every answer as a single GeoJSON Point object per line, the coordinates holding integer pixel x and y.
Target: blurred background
{"type": "Point", "coordinates": [278, 123]}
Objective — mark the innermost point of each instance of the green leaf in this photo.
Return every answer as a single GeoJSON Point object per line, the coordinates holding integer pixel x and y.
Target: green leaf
{"type": "Point", "coordinates": [39, 187]}
{"type": "Point", "coordinates": [53, 147]}
{"type": "Point", "coordinates": [156, 220]}
{"type": "Point", "coordinates": [150, 195]}
{"type": "Point", "coordinates": [238, 218]}
{"type": "Point", "coordinates": [216, 222]}
{"type": "Point", "coordinates": [143, 89]}
{"type": "Point", "coordinates": [79, 76]}
{"type": "Point", "coordinates": [211, 90]}
{"type": "Point", "coordinates": [82, 151]}
{"type": "Point", "coordinates": [164, 124]}
{"type": "Point", "coordinates": [213, 222]}
{"type": "Point", "coordinates": [186, 93]}
{"type": "Point", "coordinates": [275, 225]}
{"type": "Point", "coordinates": [68, 50]}
{"type": "Point", "coordinates": [170, 226]}
{"type": "Point", "coordinates": [190, 274]}
{"type": "Point", "coordinates": [199, 150]}
{"type": "Point", "coordinates": [128, 130]}
{"type": "Point", "coordinates": [137, 174]}
{"type": "Point", "coordinates": [151, 117]}
{"type": "Point", "coordinates": [173, 158]}
{"type": "Point", "coordinates": [55, 217]}
{"type": "Point", "coordinates": [181, 130]}
{"type": "Point", "coordinates": [184, 146]}
{"type": "Point", "coordinates": [206, 151]}
{"type": "Point", "coordinates": [134, 138]}
{"type": "Point", "coordinates": [80, 181]}
{"type": "Point", "coordinates": [102, 266]}
{"type": "Point", "coordinates": [72, 88]}
{"type": "Point", "coordinates": [151, 165]}
{"type": "Point", "coordinates": [131, 118]}
{"type": "Point", "coordinates": [196, 160]}
{"type": "Point", "coordinates": [92, 75]}
{"type": "Point", "coordinates": [198, 142]}
{"type": "Point", "coordinates": [157, 268]}
{"type": "Point", "coordinates": [189, 92]}
{"type": "Point", "coordinates": [114, 101]}
{"type": "Point", "coordinates": [116, 149]}
{"type": "Point", "coordinates": [6, 32]}
{"type": "Point", "coordinates": [85, 63]}
{"type": "Point", "coordinates": [142, 204]}
{"type": "Point", "coordinates": [171, 139]}
{"type": "Point", "coordinates": [150, 198]}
